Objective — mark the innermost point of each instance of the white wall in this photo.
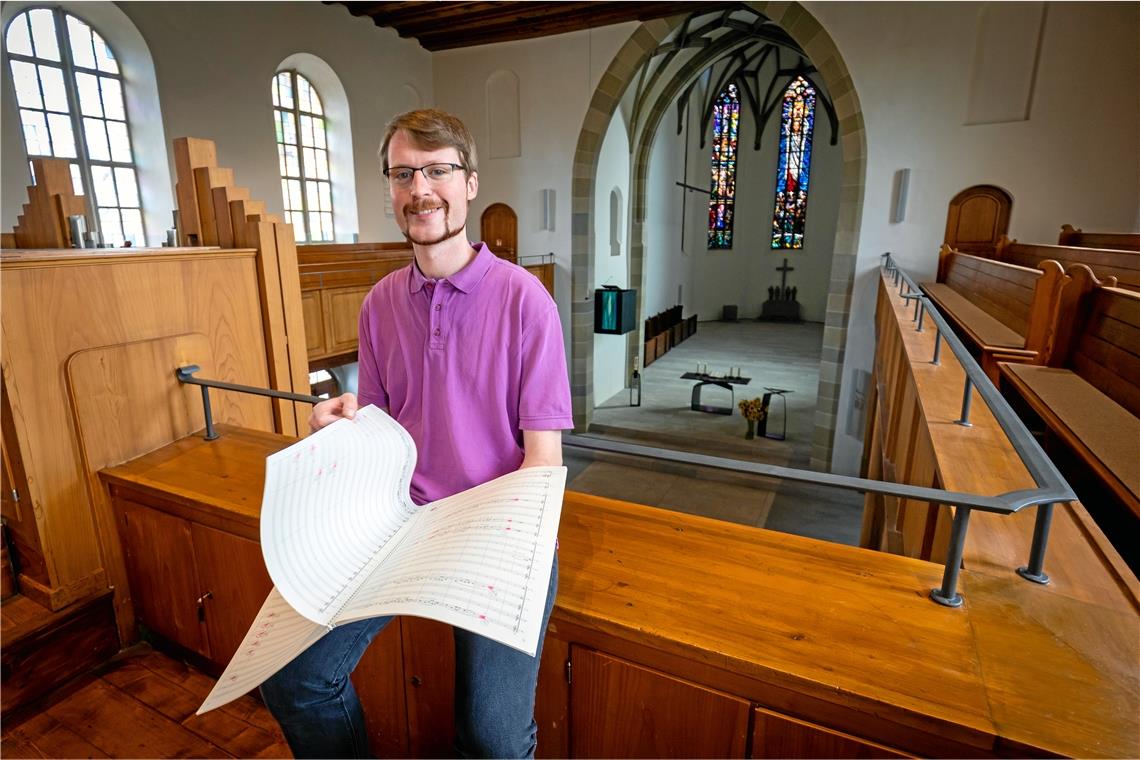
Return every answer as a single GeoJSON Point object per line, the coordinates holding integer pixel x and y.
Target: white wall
{"type": "Point", "coordinates": [610, 370]}
{"type": "Point", "coordinates": [557, 77]}
{"type": "Point", "coordinates": [1075, 160]}
{"type": "Point", "coordinates": [214, 63]}
{"type": "Point", "coordinates": [666, 265]}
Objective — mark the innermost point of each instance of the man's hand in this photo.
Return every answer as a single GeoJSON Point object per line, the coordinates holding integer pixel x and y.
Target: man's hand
{"type": "Point", "coordinates": [331, 410]}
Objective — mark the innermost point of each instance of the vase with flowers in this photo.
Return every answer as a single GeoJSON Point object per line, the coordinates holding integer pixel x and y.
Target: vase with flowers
{"type": "Point", "coordinates": [753, 410]}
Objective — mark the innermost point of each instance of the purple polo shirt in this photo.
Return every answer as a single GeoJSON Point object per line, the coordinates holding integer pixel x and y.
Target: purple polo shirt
{"type": "Point", "coordinates": [465, 364]}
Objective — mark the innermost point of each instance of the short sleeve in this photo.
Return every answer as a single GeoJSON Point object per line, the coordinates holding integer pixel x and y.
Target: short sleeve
{"type": "Point", "coordinates": [544, 395]}
{"type": "Point", "coordinates": [370, 385]}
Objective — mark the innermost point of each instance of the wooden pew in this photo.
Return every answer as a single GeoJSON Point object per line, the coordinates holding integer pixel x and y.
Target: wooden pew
{"type": "Point", "coordinates": [998, 307]}
{"type": "Point", "coordinates": [1121, 241]}
{"type": "Point", "coordinates": [1122, 264]}
{"type": "Point", "coordinates": [335, 278]}
{"type": "Point", "coordinates": [1088, 395]}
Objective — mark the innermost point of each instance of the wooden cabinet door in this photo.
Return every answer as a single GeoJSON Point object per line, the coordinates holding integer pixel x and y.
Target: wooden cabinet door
{"type": "Point", "coordinates": [619, 709]}
{"type": "Point", "coordinates": [314, 323]}
{"type": "Point", "coordinates": [342, 317]}
{"type": "Point", "coordinates": [162, 572]}
{"type": "Point", "coordinates": [429, 683]}
{"type": "Point", "coordinates": [379, 682]}
{"type": "Point", "coordinates": [235, 583]}
{"type": "Point", "coordinates": [778, 736]}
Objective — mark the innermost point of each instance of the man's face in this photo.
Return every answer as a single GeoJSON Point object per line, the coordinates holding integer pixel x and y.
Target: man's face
{"type": "Point", "coordinates": [429, 212]}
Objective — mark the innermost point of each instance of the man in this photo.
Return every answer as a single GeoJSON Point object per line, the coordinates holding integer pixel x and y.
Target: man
{"type": "Point", "coordinates": [465, 351]}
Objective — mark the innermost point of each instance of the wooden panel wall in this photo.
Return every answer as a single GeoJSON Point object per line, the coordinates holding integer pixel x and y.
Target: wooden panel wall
{"type": "Point", "coordinates": [59, 304]}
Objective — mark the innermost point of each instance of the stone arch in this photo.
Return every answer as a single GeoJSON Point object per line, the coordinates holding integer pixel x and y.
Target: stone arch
{"type": "Point", "coordinates": [622, 71]}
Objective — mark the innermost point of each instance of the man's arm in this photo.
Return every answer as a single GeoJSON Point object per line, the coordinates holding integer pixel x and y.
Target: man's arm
{"type": "Point", "coordinates": [542, 448]}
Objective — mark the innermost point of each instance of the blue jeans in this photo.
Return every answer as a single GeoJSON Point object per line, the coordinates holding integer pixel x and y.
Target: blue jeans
{"type": "Point", "coordinates": [314, 700]}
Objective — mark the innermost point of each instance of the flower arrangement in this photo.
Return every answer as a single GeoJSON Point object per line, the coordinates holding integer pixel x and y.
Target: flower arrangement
{"type": "Point", "coordinates": [752, 409]}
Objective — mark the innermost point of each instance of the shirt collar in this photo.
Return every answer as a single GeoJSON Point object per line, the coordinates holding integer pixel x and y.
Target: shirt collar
{"type": "Point", "coordinates": [466, 279]}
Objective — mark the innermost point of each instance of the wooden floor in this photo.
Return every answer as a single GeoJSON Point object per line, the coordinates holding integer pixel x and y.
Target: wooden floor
{"type": "Point", "coordinates": [143, 706]}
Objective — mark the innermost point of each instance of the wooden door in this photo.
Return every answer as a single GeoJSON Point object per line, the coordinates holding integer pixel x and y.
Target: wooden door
{"type": "Point", "coordinates": [161, 570]}
{"type": "Point", "coordinates": [619, 709]}
{"type": "Point", "coordinates": [235, 583]}
{"type": "Point", "coordinates": [978, 217]}
{"type": "Point", "coordinates": [778, 736]}
{"type": "Point", "coordinates": [500, 230]}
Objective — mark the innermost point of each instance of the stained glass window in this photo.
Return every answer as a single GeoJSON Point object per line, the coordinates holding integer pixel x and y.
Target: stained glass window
{"type": "Point", "coordinates": [69, 90]}
{"type": "Point", "coordinates": [302, 150]}
{"type": "Point", "coordinates": [722, 194]}
{"type": "Point", "coordinates": [796, 124]}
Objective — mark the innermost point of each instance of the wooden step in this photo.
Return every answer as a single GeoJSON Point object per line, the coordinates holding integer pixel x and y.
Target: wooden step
{"type": "Point", "coordinates": [43, 650]}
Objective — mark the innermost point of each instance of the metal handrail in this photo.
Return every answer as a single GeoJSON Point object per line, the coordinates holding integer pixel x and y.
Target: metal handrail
{"type": "Point", "coordinates": [1051, 485]}
{"type": "Point", "coordinates": [1051, 489]}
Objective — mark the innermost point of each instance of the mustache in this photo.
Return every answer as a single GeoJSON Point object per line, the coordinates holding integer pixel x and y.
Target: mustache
{"type": "Point", "coordinates": [417, 206]}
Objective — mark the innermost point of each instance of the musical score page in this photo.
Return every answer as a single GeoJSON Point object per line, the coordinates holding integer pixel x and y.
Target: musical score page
{"type": "Point", "coordinates": [343, 541]}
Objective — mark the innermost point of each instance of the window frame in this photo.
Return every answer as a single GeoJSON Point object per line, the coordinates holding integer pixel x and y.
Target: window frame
{"type": "Point", "coordinates": [82, 158]}
{"type": "Point", "coordinates": [716, 163]}
{"type": "Point", "coordinates": [296, 113]}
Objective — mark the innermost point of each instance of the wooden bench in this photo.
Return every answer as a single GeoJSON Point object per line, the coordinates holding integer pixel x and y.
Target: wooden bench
{"type": "Point", "coordinates": [998, 307]}
{"type": "Point", "coordinates": [1120, 241]}
{"type": "Point", "coordinates": [1088, 395]}
{"type": "Point", "coordinates": [1122, 264]}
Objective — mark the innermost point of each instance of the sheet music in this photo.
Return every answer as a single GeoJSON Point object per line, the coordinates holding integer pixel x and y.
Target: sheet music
{"type": "Point", "coordinates": [479, 560]}
{"type": "Point", "coordinates": [278, 634]}
{"type": "Point", "coordinates": [343, 541]}
{"type": "Point", "coordinates": [330, 502]}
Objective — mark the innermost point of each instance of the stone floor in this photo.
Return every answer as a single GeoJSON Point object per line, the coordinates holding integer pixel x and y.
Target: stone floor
{"type": "Point", "coordinates": [773, 355]}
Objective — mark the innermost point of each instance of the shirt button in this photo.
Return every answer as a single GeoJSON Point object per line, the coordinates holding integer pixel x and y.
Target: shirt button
{"type": "Point", "coordinates": [437, 331]}
{"type": "Point", "coordinates": [438, 307]}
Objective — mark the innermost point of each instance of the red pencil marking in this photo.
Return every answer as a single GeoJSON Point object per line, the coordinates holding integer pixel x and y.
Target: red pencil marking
{"type": "Point", "coordinates": [482, 617]}
{"type": "Point", "coordinates": [492, 588]}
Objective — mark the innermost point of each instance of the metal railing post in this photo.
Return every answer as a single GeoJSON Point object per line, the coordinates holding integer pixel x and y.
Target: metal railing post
{"type": "Point", "coordinates": [937, 346]}
{"type": "Point", "coordinates": [967, 398]}
{"type": "Point", "coordinates": [948, 595]}
{"type": "Point", "coordinates": [921, 315]}
{"type": "Point", "coordinates": [1034, 570]}
{"type": "Point", "coordinates": [211, 434]}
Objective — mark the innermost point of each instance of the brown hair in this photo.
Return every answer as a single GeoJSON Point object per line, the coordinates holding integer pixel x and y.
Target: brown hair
{"type": "Point", "coordinates": [430, 129]}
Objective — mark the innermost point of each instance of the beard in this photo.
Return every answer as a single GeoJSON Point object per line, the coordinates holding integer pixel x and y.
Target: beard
{"type": "Point", "coordinates": [447, 233]}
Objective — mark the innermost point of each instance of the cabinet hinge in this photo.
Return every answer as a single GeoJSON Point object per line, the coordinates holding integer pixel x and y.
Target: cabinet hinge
{"type": "Point", "coordinates": [15, 495]}
{"type": "Point", "coordinates": [569, 675]}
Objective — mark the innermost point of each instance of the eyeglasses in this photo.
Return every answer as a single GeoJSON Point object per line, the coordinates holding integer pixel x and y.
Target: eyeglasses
{"type": "Point", "coordinates": [402, 176]}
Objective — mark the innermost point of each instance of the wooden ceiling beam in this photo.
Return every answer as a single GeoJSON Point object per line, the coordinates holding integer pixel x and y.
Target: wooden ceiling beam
{"type": "Point", "coordinates": [434, 12]}
{"type": "Point", "coordinates": [445, 25]}
{"type": "Point", "coordinates": [504, 15]}
{"type": "Point", "coordinates": [596, 15]}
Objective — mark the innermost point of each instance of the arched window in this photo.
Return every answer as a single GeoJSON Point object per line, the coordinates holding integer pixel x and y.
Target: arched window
{"type": "Point", "coordinates": [302, 149]}
{"type": "Point", "coordinates": [796, 124]}
{"type": "Point", "coordinates": [726, 120]}
{"type": "Point", "coordinates": [68, 83]}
